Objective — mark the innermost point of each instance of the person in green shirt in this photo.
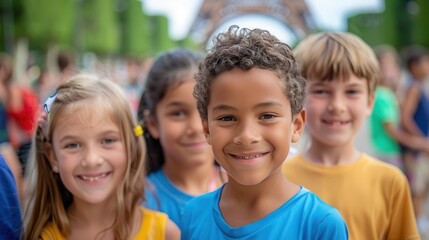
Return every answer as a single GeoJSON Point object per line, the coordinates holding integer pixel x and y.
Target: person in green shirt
{"type": "Point", "coordinates": [386, 134]}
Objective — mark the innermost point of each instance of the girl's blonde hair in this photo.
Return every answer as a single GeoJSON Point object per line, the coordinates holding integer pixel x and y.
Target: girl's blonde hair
{"type": "Point", "coordinates": [47, 198]}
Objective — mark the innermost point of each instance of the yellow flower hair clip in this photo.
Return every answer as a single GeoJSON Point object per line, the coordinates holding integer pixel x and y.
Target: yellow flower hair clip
{"type": "Point", "coordinates": [138, 131]}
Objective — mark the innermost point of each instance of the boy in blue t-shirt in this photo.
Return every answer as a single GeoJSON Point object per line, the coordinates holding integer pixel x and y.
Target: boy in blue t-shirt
{"type": "Point", "coordinates": [250, 95]}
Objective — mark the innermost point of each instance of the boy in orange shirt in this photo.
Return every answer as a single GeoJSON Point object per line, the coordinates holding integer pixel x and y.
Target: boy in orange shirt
{"type": "Point", "coordinates": [372, 196]}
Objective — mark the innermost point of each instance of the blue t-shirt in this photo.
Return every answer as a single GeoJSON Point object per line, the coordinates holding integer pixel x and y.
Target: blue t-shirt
{"type": "Point", "coordinates": [10, 213]}
{"type": "Point", "coordinates": [302, 217]}
{"type": "Point", "coordinates": [421, 114]}
{"type": "Point", "coordinates": [162, 195]}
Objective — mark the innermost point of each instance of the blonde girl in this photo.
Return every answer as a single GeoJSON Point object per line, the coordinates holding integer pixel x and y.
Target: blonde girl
{"type": "Point", "coordinates": [87, 169]}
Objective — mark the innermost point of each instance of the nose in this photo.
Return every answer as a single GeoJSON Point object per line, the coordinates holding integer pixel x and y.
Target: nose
{"type": "Point", "coordinates": [91, 157]}
{"type": "Point", "coordinates": [195, 125]}
{"type": "Point", "coordinates": [247, 134]}
{"type": "Point", "coordinates": [337, 103]}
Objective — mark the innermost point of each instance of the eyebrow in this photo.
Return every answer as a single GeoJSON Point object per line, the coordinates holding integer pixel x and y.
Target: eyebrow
{"type": "Point", "coordinates": [267, 105]}
{"type": "Point", "coordinates": [258, 106]}
{"type": "Point", "coordinates": [76, 136]}
{"type": "Point", "coordinates": [347, 84]}
{"type": "Point", "coordinates": [175, 103]}
{"type": "Point", "coordinates": [356, 85]}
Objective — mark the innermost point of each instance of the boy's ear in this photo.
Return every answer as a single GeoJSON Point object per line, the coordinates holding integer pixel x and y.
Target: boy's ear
{"type": "Point", "coordinates": [206, 130]}
{"type": "Point", "coordinates": [298, 123]}
{"type": "Point", "coordinates": [151, 124]}
{"type": "Point", "coordinates": [371, 99]}
{"type": "Point", "coordinates": [49, 153]}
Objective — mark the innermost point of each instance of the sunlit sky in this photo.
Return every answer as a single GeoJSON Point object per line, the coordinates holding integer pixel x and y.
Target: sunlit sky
{"type": "Point", "coordinates": [327, 14]}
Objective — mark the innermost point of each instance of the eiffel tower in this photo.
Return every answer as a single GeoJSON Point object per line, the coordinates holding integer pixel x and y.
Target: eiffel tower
{"type": "Point", "coordinates": [294, 14]}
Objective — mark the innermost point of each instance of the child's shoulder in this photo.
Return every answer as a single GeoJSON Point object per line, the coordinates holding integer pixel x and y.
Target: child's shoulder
{"type": "Point", "coordinates": [51, 231]}
{"type": "Point", "coordinates": [380, 171]}
{"type": "Point", "coordinates": [365, 161]}
{"type": "Point", "coordinates": [302, 199]}
{"type": "Point", "coordinates": [200, 207]}
{"type": "Point", "coordinates": [205, 200]}
{"type": "Point", "coordinates": [376, 166]}
{"type": "Point", "coordinates": [153, 224]}
{"type": "Point", "coordinates": [305, 201]}
{"type": "Point", "coordinates": [307, 209]}
{"type": "Point", "coordinates": [158, 174]}
{"type": "Point", "coordinates": [153, 214]}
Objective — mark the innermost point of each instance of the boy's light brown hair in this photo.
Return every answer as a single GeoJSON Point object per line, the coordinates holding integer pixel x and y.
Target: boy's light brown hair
{"type": "Point", "coordinates": [329, 55]}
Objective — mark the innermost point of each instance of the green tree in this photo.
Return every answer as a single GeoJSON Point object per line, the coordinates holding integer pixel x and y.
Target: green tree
{"type": "Point", "coordinates": [99, 27]}
{"type": "Point", "coordinates": [368, 27]}
{"type": "Point", "coordinates": [48, 22]}
{"type": "Point", "coordinates": [11, 17]}
{"type": "Point", "coordinates": [189, 43]}
{"type": "Point", "coordinates": [420, 20]}
{"type": "Point", "coordinates": [161, 39]}
{"type": "Point", "coordinates": [135, 29]}
{"type": "Point", "coordinates": [403, 22]}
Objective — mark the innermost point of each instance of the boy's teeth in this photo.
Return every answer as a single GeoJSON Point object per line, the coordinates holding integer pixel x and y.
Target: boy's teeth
{"type": "Point", "coordinates": [249, 157]}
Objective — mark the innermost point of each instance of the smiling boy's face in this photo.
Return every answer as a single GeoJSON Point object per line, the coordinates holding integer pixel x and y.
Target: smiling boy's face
{"type": "Point", "coordinates": [336, 110]}
{"type": "Point", "coordinates": [250, 125]}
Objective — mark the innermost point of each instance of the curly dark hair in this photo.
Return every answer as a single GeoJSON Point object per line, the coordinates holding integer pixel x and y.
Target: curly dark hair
{"type": "Point", "coordinates": [246, 49]}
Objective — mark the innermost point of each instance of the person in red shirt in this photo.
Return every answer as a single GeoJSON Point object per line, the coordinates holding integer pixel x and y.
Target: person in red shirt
{"type": "Point", "coordinates": [22, 109]}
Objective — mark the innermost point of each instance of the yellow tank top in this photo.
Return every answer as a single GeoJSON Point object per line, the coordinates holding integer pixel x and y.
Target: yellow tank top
{"type": "Point", "coordinates": [153, 226]}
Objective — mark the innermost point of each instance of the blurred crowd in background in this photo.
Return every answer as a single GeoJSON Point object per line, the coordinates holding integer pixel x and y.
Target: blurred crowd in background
{"type": "Point", "coordinates": [404, 75]}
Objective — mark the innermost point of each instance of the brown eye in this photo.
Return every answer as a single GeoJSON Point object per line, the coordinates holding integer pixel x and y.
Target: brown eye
{"type": "Point", "coordinates": [226, 118]}
{"type": "Point", "coordinates": [267, 116]}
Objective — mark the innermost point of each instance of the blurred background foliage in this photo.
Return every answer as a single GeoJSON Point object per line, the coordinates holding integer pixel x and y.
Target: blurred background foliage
{"type": "Point", "coordinates": [112, 28]}
{"type": "Point", "coordinates": [104, 27]}
{"type": "Point", "coordinates": [402, 23]}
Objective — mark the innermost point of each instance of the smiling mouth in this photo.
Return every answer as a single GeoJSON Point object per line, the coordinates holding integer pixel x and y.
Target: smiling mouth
{"type": "Point", "coordinates": [335, 123]}
{"type": "Point", "coordinates": [93, 178]}
{"type": "Point", "coordinates": [248, 157]}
